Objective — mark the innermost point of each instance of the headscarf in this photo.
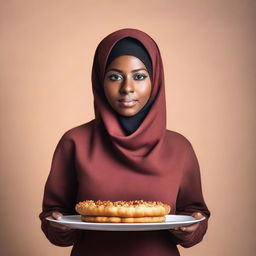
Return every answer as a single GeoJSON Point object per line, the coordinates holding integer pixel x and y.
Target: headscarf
{"type": "Point", "coordinates": [148, 138]}
{"type": "Point", "coordinates": [132, 47]}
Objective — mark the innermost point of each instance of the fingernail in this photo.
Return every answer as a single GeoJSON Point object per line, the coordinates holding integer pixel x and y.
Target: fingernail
{"type": "Point", "coordinates": [183, 228]}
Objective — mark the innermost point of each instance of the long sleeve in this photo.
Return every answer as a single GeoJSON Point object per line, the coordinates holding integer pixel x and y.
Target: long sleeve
{"type": "Point", "coordinates": [190, 198]}
{"type": "Point", "coordinates": [60, 192]}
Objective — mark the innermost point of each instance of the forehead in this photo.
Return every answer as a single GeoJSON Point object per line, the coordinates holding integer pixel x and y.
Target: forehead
{"type": "Point", "coordinates": [126, 62]}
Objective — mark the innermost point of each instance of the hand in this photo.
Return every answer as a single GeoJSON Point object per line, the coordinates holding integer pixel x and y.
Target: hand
{"type": "Point", "coordinates": [58, 216]}
{"type": "Point", "coordinates": [182, 232]}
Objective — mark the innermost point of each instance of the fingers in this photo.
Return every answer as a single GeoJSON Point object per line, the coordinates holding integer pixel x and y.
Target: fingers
{"type": "Point", "coordinates": [197, 215]}
{"type": "Point", "coordinates": [59, 226]}
{"type": "Point", "coordinates": [183, 231]}
{"type": "Point", "coordinates": [193, 227]}
{"type": "Point", "coordinates": [58, 216]}
{"type": "Point", "coordinates": [190, 228]}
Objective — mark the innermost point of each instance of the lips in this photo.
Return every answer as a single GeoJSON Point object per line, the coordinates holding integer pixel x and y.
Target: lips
{"type": "Point", "coordinates": [127, 102]}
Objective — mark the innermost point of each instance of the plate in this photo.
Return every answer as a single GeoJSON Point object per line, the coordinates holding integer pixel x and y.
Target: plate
{"type": "Point", "coordinates": [172, 221]}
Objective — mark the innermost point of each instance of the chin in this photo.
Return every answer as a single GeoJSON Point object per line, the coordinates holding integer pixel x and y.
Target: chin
{"type": "Point", "coordinates": [127, 113]}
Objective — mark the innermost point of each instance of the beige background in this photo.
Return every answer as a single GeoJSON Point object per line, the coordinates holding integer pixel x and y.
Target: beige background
{"type": "Point", "coordinates": [208, 49]}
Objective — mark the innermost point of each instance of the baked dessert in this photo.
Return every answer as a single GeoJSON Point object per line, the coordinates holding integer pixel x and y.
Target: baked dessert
{"type": "Point", "coordinates": [122, 211]}
{"type": "Point", "coordinates": [103, 219]}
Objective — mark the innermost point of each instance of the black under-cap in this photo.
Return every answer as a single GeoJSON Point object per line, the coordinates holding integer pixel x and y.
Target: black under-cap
{"type": "Point", "coordinates": [133, 47]}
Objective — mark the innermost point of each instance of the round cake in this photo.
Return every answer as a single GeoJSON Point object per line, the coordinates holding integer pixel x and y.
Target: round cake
{"type": "Point", "coordinates": [123, 211]}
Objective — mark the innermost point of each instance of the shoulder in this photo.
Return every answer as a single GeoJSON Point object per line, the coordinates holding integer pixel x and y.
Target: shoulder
{"type": "Point", "coordinates": [179, 143]}
{"type": "Point", "coordinates": [177, 139]}
{"type": "Point", "coordinates": [73, 137]}
{"type": "Point", "coordinates": [78, 132]}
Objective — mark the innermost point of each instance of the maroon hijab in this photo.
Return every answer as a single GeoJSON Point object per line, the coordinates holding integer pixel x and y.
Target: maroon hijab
{"type": "Point", "coordinates": [147, 140]}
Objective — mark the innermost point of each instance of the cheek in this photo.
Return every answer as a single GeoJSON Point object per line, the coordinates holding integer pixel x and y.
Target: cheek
{"type": "Point", "coordinates": [144, 89]}
{"type": "Point", "coordinates": [109, 89]}
{"type": "Point", "coordinates": [111, 93]}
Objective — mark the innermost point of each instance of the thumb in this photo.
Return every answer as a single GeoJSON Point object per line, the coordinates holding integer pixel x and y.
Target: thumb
{"type": "Point", "coordinates": [56, 215]}
{"type": "Point", "coordinates": [197, 215]}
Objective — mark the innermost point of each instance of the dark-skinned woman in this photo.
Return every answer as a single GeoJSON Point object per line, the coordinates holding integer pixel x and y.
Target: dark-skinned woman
{"type": "Point", "coordinates": [125, 153]}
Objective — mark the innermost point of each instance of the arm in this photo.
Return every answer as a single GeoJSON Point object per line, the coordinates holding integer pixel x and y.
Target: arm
{"type": "Point", "coordinates": [190, 202]}
{"type": "Point", "coordinates": [60, 193]}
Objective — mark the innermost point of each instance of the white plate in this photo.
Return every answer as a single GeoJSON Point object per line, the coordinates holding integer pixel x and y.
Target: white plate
{"type": "Point", "coordinates": [172, 221]}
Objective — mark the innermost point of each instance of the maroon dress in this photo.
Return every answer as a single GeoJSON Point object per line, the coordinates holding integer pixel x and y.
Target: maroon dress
{"type": "Point", "coordinates": [98, 161]}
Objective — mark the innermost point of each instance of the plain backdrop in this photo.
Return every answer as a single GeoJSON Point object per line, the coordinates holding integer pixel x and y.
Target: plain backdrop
{"type": "Point", "coordinates": [208, 50]}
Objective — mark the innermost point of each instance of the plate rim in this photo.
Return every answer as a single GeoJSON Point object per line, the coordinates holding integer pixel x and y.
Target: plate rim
{"type": "Point", "coordinates": [124, 226]}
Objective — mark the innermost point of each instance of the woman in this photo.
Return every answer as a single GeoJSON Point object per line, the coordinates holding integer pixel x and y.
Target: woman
{"type": "Point", "coordinates": [125, 153]}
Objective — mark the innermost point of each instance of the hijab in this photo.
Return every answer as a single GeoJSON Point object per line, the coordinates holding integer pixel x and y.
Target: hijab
{"type": "Point", "coordinates": [147, 139]}
{"type": "Point", "coordinates": [131, 46]}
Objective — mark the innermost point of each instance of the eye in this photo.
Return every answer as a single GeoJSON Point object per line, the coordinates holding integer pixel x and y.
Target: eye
{"type": "Point", "coordinates": [139, 77]}
{"type": "Point", "coordinates": [115, 77]}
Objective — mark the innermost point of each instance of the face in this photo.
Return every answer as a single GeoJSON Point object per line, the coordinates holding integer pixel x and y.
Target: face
{"type": "Point", "coordinates": [127, 85]}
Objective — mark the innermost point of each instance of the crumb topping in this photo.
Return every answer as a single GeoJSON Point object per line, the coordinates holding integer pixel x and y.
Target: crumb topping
{"type": "Point", "coordinates": [134, 203]}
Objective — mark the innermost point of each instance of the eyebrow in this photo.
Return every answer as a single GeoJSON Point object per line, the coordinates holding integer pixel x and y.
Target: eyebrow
{"type": "Point", "coordinates": [120, 71]}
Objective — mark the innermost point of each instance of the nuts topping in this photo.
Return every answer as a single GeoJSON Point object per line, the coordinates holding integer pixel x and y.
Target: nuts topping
{"type": "Point", "coordinates": [135, 203]}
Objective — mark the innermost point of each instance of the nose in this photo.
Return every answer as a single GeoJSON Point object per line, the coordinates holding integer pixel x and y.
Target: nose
{"type": "Point", "coordinates": [127, 86]}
